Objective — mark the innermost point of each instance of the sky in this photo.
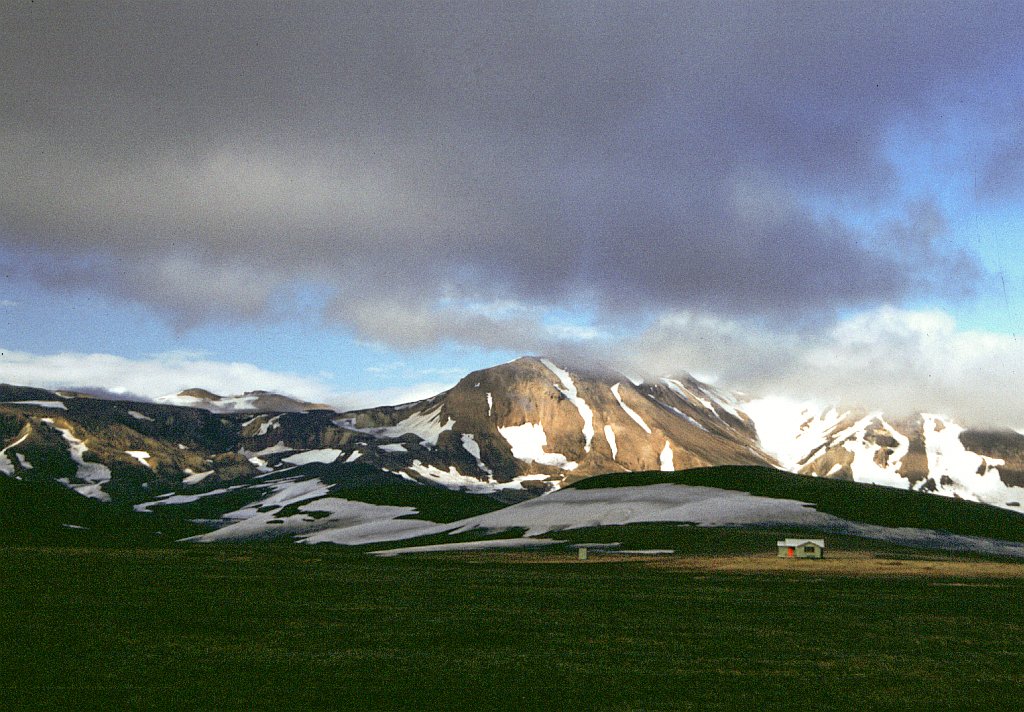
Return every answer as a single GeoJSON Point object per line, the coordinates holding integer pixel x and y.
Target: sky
{"type": "Point", "coordinates": [359, 203]}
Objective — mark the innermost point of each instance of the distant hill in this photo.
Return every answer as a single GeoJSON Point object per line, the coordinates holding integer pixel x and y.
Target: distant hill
{"type": "Point", "coordinates": [250, 401]}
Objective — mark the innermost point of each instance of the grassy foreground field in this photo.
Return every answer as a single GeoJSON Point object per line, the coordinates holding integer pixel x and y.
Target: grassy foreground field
{"type": "Point", "coordinates": [293, 627]}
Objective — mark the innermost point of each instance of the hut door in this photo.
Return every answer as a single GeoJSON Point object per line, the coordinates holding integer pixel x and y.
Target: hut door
{"type": "Point", "coordinates": [791, 552]}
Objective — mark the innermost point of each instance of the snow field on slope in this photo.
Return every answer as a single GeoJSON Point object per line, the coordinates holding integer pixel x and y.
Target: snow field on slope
{"type": "Point", "coordinates": [272, 450]}
{"type": "Point", "coordinates": [707, 506]}
{"type": "Point", "coordinates": [194, 478]}
{"type": "Point", "coordinates": [426, 426]}
{"type": "Point", "coordinates": [790, 430]}
{"type": "Point", "coordinates": [629, 411]}
{"type": "Point", "coordinates": [52, 405]}
{"type": "Point", "coordinates": [864, 468]}
{"type": "Point", "coordinates": [266, 426]}
{"type": "Point", "coordinates": [680, 413]}
{"type": "Point", "coordinates": [711, 397]}
{"type": "Point", "coordinates": [974, 476]}
{"type": "Point", "coordinates": [353, 523]}
{"type": "Point", "coordinates": [527, 442]}
{"type": "Point", "coordinates": [471, 446]}
{"type": "Point", "coordinates": [609, 435]}
{"type": "Point", "coordinates": [323, 456]}
{"type": "Point", "coordinates": [141, 455]}
{"type": "Point", "coordinates": [666, 458]}
{"type": "Point", "coordinates": [348, 522]}
{"type": "Point", "coordinates": [6, 466]}
{"type": "Point", "coordinates": [704, 506]}
{"type": "Point", "coordinates": [453, 479]}
{"type": "Point", "coordinates": [92, 473]}
{"type": "Point", "coordinates": [172, 498]}
{"type": "Point", "coordinates": [689, 395]}
{"type": "Point", "coordinates": [568, 390]}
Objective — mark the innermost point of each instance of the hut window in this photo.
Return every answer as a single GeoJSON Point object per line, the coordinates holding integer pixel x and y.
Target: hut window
{"type": "Point", "coordinates": [808, 549]}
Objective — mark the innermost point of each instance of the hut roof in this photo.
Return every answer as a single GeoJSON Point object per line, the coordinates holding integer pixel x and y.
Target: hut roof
{"type": "Point", "coordinates": [801, 542]}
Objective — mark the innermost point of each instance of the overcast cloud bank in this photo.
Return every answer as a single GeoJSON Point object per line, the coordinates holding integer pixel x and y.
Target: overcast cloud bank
{"type": "Point", "coordinates": [725, 179]}
{"type": "Point", "coordinates": [975, 377]}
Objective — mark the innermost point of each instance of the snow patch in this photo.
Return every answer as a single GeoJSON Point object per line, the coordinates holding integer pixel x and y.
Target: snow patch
{"type": "Point", "coordinates": [267, 426]}
{"type": "Point", "coordinates": [93, 474]}
{"type": "Point", "coordinates": [956, 471]}
{"type": "Point", "coordinates": [171, 498]}
{"type": "Point", "coordinates": [53, 405]}
{"type": "Point", "coordinates": [273, 450]}
{"type": "Point", "coordinates": [354, 456]}
{"type": "Point", "coordinates": [609, 435]}
{"type": "Point", "coordinates": [527, 442]}
{"type": "Point", "coordinates": [323, 456]}
{"type": "Point", "coordinates": [471, 446]}
{"type": "Point", "coordinates": [689, 395]}
{"type": "Point", "coordinates": [141, 455]}
{"type": "Point", "coordinates": [568, 390]}
{"type": "Point", "coordinates": [629, 411]}
{"type": "Point", "coordinates": [261, 465]}
{"type": "Point", "coordinates": [195, 478]}
{"type": "Point", "coordinates": [393, 447]}
{"type": "Point", "coordinates": [490, 404]}
{"type": "Point", "coordinates": [140, 416]}
{"type": "Point", "coordinates": [223, 405]}
{"type": "Point", "coordinates": [865, 468]}
{"type": "Point", "coordinates": [788, 430]}
{"type": "Point", "coordinates": [453, 479]}
{"type": "Point", "coordinates": [426, 425]}
{"type": "Point", "coordinates": [288, 492]}
{"type": "Point", "coordinates": [667, 458]}
{"type": "Point", "coordinates": [707, 506]}
{"type": "Point", "coordinates": [6, 466]}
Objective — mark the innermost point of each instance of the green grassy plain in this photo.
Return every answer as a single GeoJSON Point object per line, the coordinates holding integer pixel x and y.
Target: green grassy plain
{"type": "Point", "coordinates": [294, 627]}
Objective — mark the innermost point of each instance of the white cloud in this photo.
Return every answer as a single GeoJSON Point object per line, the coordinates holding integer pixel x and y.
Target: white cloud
{"type": "Point", "coordinates": [897, 360]}
{"type": "Point", "coordinates": [162, 374]}
{"type": "Point", "coordinates": [155, 376]}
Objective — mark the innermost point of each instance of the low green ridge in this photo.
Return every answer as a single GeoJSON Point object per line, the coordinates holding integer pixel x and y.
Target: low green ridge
{"type": "Point", "coordinates": [870, 504]}
{"type": "Point", "coordinates": [49, 513]}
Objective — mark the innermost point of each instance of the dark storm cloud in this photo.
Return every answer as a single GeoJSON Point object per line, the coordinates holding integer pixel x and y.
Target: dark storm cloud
{"type": "Point", "coordinates": [408, 156]}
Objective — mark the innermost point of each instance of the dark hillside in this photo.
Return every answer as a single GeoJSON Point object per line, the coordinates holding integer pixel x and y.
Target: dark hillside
{"type": "Point", "coordinates": [871, 504]}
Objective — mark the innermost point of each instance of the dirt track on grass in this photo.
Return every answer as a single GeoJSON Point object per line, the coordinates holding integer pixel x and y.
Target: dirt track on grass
{"type": "Point", "coordinates": [839, 564]}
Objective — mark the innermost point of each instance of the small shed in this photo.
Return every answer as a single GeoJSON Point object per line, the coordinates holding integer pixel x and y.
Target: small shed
{"type": "Point", "coordinates": [801, 548]}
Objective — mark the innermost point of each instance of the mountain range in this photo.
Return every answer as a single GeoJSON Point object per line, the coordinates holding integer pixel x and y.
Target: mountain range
{"type": "Point", "coordinates": [501, 435]}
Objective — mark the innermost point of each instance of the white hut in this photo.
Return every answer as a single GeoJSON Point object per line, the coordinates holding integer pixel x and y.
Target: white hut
{"type": "Point", "coordinates": [801, 548]}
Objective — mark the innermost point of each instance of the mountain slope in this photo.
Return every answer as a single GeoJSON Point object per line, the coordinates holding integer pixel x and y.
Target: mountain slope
{"type": "Point", "coordinates": [499, 436]}
{"type": "Point", "coordinates": [927, 452]}
{"type": "Point", "coordinates": [250, 401]}
{"type": "Point", "coordinates": [532, 423]}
